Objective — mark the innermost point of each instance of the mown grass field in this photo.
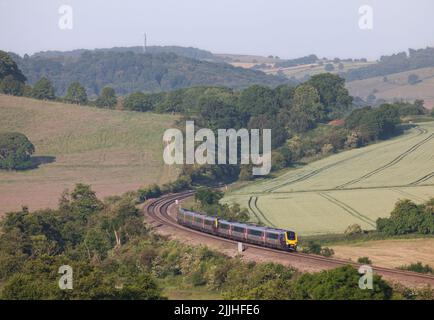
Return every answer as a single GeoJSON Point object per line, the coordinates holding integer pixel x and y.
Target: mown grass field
{"type": "Point", "coordinates": [355, 186]}
{"type": "Point", "coordinates": [114, 151]}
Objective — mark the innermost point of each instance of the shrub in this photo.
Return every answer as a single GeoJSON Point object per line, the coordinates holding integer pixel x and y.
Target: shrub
{"type": "Point", "coordinates": [418, 267]}
{"type": "Point", "coordinates": [364, 260]}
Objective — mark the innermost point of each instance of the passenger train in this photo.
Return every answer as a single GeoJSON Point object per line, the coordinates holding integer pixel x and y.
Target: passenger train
{"type": "Point", "coordinates": [263, 236]}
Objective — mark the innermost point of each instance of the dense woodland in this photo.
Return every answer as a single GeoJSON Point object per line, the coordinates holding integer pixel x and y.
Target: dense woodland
{"type": "Point", "coordinates": [129, 71]}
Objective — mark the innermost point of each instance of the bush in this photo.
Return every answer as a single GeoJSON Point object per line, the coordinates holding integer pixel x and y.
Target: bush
{"type": "Point", "coordinates": [364, 260]}
{"type": "Point", "coordinates": [15, 151]}
{"type": "Point", "coordinates": [353, 229]}
{"type": "Point", "coordinates": [418, 267]}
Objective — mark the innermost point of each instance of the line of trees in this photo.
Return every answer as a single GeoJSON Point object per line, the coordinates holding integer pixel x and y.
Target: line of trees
{"type": "Point", "coordinates": [13, 82]}
{"type": "Point", "coordinates": [407, 218]}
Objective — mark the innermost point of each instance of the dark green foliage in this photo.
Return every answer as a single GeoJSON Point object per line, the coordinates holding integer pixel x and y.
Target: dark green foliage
{"type": "Point", "coordinates": [76, 93]}
{"type": "Point", "coordinates": [259, 282]}
{"type": "Point", "coordinates": [333, 94]}
{"type": "Point", "coordinates": [208, 196]}
{"type": "Point", "coordinates": [316, 248]}
{"type": "Point", "coordinates": [407, 217]}
{"type": "Point", "coordinates": [306, 109]}
{"type": "Point", "coordinates": [15, 151]}
{"type": "Point", "coordinates": [43, 90]}
{"type": "Point", "coordinates": [128, 71]}
{"type": "Point", "coordinates": [364, 260]}
{"type": "Point", "coordinates": [8, 67]}
{"type": "Point", "coordinates": [374, 123]}
{"type": "Point", "coordinates": [208, 202]}
{"type": "Point", "coordinates": [11, 78]}
{"type": "Point", "coordinates": [151, 192]}
{"type": "Point", "coordinates": [325, 286]}
{"type": "Point", "coordinates": [295, 62]}
{"type": "Point", "coordinates": [107, 98]}
{"type": "Point", "coordinates": [138, 101]}
{"type": "Point", "coordinates": [9, 85]}
{"type": "Point", "coordinates": [418, 267]}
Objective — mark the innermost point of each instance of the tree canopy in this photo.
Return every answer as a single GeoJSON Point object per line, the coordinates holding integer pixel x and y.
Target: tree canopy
{"type": "Point", "coordinates": [15, 151]}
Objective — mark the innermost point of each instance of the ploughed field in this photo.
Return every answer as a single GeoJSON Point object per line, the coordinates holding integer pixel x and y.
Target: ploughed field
{"type": "Point", "coordinates": [355, 186]}
{"type": "Point", "coordinates": [114, 151]}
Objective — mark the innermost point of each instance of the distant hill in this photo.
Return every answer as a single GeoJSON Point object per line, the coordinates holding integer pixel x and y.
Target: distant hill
{"type": "Point", "coordinates": [188, 52]}
{"type": "Point", "coordinates": [396, 87]}
{"type": "Point", "coordinates": [128, 70]}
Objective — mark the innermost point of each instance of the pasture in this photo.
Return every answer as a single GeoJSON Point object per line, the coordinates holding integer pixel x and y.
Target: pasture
{"type": "Point", "coordinates": [355, 186]}
{"type": "Point", "coordinates": [114, 151]}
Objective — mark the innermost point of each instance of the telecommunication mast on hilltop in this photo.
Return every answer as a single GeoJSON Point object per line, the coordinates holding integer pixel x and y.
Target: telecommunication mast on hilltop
{"type": "Point", "coordinates": [144, 42]}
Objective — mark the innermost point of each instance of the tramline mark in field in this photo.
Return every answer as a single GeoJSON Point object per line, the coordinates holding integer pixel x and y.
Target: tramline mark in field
{"type": "Point", "coordinates": [355, 186]}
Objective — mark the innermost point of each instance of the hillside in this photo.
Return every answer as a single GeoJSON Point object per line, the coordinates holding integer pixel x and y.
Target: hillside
{"type": "Point", "coordinates": [129, 71]}
{"type": "Point", "coordinates": [355, 186]}
{"type": "Point", "coordinates": [396, 86]}
{"type": "Point", "coordinates": [114, 151]}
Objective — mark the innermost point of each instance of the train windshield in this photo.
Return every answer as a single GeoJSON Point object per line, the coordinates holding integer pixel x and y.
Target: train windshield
{"type": "Point", "coordinates": [290, 235]}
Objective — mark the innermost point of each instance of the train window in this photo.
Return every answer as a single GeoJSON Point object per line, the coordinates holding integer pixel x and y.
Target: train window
{"type": "Point", "coordinates": [224, 226]}
{"type": "Point", "coordinates": [198, 219]}
{"type": "Point", "coordinates": [290, 235]}
{"type": "Point", "coordinates": [255, 233]}
{"type": "Point", "coordinates": [239, 229]}
{"type": "Point", "coordinates": [209, 222]}
{"type": "Point", "coordinates": [272, 236]}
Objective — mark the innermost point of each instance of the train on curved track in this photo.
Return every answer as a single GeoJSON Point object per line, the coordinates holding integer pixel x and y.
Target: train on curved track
{"type": "Point", "coordinates": [242, 232]}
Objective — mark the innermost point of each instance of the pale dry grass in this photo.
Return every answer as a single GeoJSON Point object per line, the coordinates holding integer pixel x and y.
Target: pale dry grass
{"type": "Point", "coordinates": [389, 253]}
{"type": "Point", "coordinates": [114, 151]}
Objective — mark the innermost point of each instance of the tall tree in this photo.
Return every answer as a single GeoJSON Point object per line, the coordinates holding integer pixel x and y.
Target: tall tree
{"type": "Point", "coordinates": [8, 67]}
{"type": "Point", "coordinates": [333, 94]}
{"type": "Point", "coordinates": [107, 98]}
{"type": "Point", "coordinates": [43, 90]}
{"type": "Point", "coordinates": [306, 108]}
{"type": "Point", "coordinates": [9, 85]}
{"type": "Point", "coordinates": [15, 151]}
{"type": "Point", "coordinates": [76, 93]}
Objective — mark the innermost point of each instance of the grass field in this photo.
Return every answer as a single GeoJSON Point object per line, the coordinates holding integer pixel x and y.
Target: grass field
{"type": "Point", "coordinates": [355, 186]}
{"type": "Point", "coordinates": [114, 151]}
{"type": "Point", "coordinates": [397, 87]}
{"type": "Point", "coordinates": [302, 71]}
{"type": "Point", "coordinates": [405, 251]}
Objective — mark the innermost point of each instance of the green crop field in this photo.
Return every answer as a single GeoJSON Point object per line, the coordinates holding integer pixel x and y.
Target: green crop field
{"type": "Point", "coordinates": [355, 186]}
{"type": "Point", "coordinates": [114, 151]}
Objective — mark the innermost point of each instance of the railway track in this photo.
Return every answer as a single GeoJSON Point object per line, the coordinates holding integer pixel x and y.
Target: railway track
{"type": "Point", "coordinates": [158, 211]}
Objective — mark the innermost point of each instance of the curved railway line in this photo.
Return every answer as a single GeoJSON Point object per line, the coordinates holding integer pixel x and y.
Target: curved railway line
{"type": "Point", "coordinates": [158, 211]}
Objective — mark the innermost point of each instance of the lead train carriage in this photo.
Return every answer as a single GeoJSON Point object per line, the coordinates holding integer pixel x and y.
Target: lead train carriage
{"type": "Point", "coordinates": [264, 236]}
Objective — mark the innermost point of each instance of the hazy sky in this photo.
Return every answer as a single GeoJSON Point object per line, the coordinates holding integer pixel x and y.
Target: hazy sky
{"type": "Point", "coordinates": [287, 28]}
